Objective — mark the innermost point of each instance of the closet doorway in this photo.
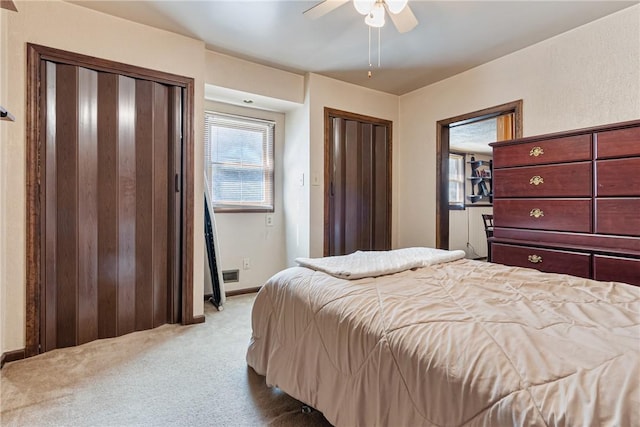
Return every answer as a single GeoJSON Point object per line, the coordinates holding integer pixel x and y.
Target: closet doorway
{"type": "Point", "coordinates": [109, 199]}
{"type": "Point", "coordinates": [357, 204]}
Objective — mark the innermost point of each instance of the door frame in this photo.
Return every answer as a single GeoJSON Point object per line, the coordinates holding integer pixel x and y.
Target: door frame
{"type": "Point", "coordinates": [35, 116]}
{"type": "Point", "coordinates": [442, 160]}
{"type": "Point", "coordinates": [328, 126]}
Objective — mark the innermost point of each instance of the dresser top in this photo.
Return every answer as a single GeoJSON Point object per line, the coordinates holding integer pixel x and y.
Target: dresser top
{"type": "Point", "coordinates": [621, 125]}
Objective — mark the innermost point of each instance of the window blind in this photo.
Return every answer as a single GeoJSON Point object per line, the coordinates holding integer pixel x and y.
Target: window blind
{"type": "Point", "coordinates": [456, 180]}
{"type": "Point", "coordinates": [239, 162]}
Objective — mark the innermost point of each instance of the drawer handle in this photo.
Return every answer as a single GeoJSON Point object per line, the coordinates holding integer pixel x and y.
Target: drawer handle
{"type": "Point", "coordinates": [536, 151]}
{"type": "Point", "coordinates": [535, 259]}
{"type": "Point", "coordinates": [536, 180]}
{"type": "Point", "coordinates": [536, 213]}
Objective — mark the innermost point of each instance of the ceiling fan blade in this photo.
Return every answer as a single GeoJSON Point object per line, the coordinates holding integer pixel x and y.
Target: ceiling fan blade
{"type": "Point", "coordinates": [323, 8]}
{"type": "Point", "coordinates": [404, 21]}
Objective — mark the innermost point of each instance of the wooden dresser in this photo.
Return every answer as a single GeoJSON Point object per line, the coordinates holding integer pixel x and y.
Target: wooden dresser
{"type": "Point", "coordinates": [570, 202]}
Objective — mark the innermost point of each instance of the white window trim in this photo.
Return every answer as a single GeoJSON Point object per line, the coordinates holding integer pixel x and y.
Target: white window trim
{"type": "Point", "coordinates": [267, 166]}
{"type": "Point", "coordinates": [460, 180]}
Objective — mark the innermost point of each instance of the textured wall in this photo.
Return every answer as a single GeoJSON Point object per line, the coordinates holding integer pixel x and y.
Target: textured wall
{"type": "Point", "coordinates": [326, 92]}
{"type": "Point", "coordinates": [69, 27]}
{"type": "Point", "coordinates": [466, 226]}
{"type": "Point", "coordinates": [296, 183]}
{"type": "Point", "coordinates": [233, 73]}
{"type": "Point", "coordinates": [585, 77]}
{"type": "Point", "coordinates": [245, 235]}
{"type": "Point", "coordinates": [4, 166]}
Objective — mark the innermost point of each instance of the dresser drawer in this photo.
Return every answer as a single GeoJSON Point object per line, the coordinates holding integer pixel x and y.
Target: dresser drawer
{"type": "Point", "coordinates": [543, 214]}
{"type": "Point", "coordinates": [616, 269]}
{"type": "Point", "coordinates": [618, 216]}
{"type": "Point", "coordinates": [557, 150]}
{"type": "Point", "coordinates": [619, 177]}
{"type": "Point", "coordinates": [564, 180]}
{"type": "Point", "coordinates": [618, 143]}
{"type": "Point", "coordinates": [548, 260]}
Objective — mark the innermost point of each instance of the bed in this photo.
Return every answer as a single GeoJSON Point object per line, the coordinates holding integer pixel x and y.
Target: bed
{"type": "Point", "coordinates": [444, 341]}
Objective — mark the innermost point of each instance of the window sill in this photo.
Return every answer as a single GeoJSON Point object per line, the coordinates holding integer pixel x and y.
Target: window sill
{"type": "Point", "coordinates": [243, 210]}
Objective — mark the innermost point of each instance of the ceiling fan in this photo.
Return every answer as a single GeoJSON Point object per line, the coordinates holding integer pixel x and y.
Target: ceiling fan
{"type": "Point", "coordinates": [374, 10]}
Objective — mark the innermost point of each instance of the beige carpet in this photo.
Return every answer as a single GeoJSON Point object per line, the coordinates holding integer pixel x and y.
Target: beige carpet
{"type": "Point", "coordinates": [170, 376]}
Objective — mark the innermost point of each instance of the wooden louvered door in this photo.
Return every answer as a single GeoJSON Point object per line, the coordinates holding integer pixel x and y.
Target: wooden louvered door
{"type": "Point", "coordinates": [108, 204]}
{"type": "Point", "coordinates": [357, 183]}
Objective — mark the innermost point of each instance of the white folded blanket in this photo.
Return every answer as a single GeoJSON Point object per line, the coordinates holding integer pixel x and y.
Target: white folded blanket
{"type": "Point", "coordinates": [378, 263]}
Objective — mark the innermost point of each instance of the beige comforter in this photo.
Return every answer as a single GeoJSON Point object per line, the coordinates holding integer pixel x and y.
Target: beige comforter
{"type": "Point", "coordinates": [460, 343]}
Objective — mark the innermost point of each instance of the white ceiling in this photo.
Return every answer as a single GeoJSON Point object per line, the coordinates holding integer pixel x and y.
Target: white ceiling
{"type": "Point", "coordinates": [474, 137]}
{"type": "Point", "coordinates": [451, 37]}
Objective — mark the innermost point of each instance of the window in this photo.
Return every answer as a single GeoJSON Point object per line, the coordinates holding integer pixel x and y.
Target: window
{"type": "Point", "coordinates": [456, 181]}
{"type": "Point", "coordinates": [239, 162]}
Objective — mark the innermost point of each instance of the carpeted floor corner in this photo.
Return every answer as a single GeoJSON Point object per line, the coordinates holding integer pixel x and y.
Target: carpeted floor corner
{"type": "Point", "coordinates": [169, 376]}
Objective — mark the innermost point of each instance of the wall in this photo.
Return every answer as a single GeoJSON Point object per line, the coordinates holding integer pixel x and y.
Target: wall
{"type": "Point", "coordinates": [585, 77]}
{"type": "Point", "coordinates": [74, 28]}
{"type": "Point", "coordinates": [296, 182]}
{"type": "Point", "coordinates": [466, 227]}
{"type": "Point", "coordinates": [5, 315]}
{"type": "Point", "coordinates": [326, 92]}
{"type": "Point", "coordinates": [303, 156]}
{"type": "Point", "coordinates": [231, 80]}
{"type": "Point", "coordinates": [466, 231]}
{"type": "Point", "coordinates": [255, 79]}
{"type": "Point", "coordinates": [245, 235]}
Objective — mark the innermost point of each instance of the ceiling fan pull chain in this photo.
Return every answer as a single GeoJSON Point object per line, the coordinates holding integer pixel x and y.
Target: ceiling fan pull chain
{"type": "Point", "coordinates": [378, 47]}
{"type": "Point", "coordinates": [369, 46]}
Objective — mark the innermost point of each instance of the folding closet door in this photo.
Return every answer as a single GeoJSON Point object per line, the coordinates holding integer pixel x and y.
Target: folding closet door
{"type": "Point", "coordinates": [108, 160]}
{"type": "Point", "coordinates": [359, 202]}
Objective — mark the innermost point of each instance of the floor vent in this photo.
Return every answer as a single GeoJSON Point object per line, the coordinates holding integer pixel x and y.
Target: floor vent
{"type": "Point", "coordinates": [229, 276]}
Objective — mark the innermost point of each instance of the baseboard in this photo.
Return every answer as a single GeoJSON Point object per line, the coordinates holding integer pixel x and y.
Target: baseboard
{"type": "Point", "coordinates": [12, 356]}
{"type": "Point", "coordinates": [236, 292]}
{"type": "Point", "coordinates": [198, 319]}
{"type": "Point", "coordinates": [243, 291]}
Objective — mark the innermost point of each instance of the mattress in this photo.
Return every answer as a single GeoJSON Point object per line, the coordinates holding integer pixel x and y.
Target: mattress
{"type": "Point", "coordinates": [460, 343]}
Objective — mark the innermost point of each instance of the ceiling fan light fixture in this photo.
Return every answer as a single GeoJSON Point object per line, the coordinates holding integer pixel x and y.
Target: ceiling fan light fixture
{"type": "Point", "coordinates": [375, 18]}
{"type": "Point", "coordinates": [364, 7]}
{"type": "Point", "coordinates": [396, 6]}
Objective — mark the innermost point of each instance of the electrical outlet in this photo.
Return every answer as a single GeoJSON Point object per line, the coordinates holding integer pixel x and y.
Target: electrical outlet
{"type": "Point", "coordinates": [246, 263]}
{"type": "Point", "coordinates": [268, 220]}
